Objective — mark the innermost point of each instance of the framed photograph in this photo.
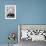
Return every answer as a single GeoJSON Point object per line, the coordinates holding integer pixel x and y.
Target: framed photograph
{"type": "Point", "coordinates": [10, 11]}
{"type": "Point", "coordinates": [31, 32]}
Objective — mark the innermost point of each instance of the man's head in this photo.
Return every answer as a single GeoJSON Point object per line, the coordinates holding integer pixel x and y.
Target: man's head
{"type": "Point", "coordinates": [11, 10]}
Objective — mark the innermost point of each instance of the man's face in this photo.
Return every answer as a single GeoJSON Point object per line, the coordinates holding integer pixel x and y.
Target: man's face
{"type": "Point", "coordinates": [11, 10]}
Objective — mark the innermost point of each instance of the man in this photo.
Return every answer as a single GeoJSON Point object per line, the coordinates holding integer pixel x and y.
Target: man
{"type": "Point", "coordinates": [11, 13]}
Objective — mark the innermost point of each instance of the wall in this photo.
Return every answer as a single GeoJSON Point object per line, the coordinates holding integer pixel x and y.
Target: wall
{"type": "Point", "coordinates": [27, 12]}
{"type": "Point", "coordinates": [6, 26]}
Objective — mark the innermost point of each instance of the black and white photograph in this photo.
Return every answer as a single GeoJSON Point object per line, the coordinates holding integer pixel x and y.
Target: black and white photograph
{"type": "Point", "coordinates": [10, 11]}
{"type": "Point", "coordinates": [29, 34]}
